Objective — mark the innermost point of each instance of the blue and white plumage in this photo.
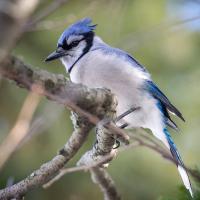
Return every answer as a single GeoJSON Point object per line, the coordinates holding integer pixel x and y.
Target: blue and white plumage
{"type": "Point", "coordinates": [92, 62]}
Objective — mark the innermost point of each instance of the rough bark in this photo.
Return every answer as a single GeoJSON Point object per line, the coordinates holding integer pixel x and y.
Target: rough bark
{"type": "Point", "coordinates": [51, 168]}
{"type": "Point", "coordinates": [56, 87]}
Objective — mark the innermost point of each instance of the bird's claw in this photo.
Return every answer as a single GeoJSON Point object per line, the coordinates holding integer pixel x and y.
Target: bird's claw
{"type": "Point", "coordinates": [117, 144]}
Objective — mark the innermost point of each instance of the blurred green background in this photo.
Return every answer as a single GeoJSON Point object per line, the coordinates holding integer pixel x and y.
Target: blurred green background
{"type": "Point", "coordinates": [154, 33]}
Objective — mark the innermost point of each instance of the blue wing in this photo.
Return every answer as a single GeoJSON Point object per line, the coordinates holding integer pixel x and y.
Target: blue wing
{"type": "Point", "coordinates": [118, 52]}
{"type": "Point", "coordinates": [164, 103]}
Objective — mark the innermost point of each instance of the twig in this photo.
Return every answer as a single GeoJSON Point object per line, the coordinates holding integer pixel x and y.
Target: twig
{"type": "Point", "coordinates": [64, 171]}
{"type": "Point", "coordinates": [20, 129]}
{"type": "Point", "coordinates": [150, 143]}
{"type": "Point", "coordinates": [143, 140]}
{"type": "Point", "coordinates": [140, 139]}
{"type": "Point", "coordinates": [100, 162]}
{"type": "Point", "coordinates": [160, 149]}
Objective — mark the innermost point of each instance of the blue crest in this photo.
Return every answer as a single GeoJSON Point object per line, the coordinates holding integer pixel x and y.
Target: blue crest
{"type": "Point", "coordinates": [80, 27]}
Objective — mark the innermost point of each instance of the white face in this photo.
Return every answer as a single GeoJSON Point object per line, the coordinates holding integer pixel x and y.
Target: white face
{"type": "Point", "coordinates": [77, 44]}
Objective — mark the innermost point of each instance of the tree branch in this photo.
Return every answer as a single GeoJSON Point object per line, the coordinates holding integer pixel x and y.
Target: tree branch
{"type": "Point", "coordinates": [87, 102]}
{"type": "Point", "coordinates": [101, 177]}
{"type": "Point", "coordinates": [58, 88]}
{"type": "Point", "coordinates": [102, 148]}
{"type": "Point", "coordinates": [51, 168]}
{"type": "Point", "coordinates": [105, 159]}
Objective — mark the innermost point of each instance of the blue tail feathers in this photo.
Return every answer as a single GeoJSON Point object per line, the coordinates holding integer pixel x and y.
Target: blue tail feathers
{"type": "Point", "coordinates": [173, 149]}
{"type": "Point", "coordinates": [179, 162]}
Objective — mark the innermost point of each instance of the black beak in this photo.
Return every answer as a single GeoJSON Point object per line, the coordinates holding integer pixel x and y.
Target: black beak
{"type": "Point", "coordinates": [60, 52]}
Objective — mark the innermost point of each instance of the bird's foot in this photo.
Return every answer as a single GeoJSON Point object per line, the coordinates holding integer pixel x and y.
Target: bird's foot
{"type": "Point", "coordinates": [123, 126]}
{"type": "Point", "coordinates": [117, 144]}
{"type": "Point", "coordinates": [106, 121]}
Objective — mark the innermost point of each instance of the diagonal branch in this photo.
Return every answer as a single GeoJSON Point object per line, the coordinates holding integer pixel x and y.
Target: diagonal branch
{"type": "Point", "coordinates": [85, 168]}
{"type": "Point", "coordinates": [57, 87]}
{"type": "Point", "coordinates": [51, 168]}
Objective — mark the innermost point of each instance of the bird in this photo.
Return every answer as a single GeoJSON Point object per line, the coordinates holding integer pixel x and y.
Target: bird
{"type": "Point", "coordinates": [94, 63]}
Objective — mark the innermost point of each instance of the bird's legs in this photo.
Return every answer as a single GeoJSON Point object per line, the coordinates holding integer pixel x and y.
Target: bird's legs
{"type": "Point", "coordinates": [122, 126]}
{"type": "Point", "coordinates": [129, 111]}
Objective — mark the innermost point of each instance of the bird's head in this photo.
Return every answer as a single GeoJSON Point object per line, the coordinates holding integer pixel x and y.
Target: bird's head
{"type": "Point", "coordinates": [74, 42]}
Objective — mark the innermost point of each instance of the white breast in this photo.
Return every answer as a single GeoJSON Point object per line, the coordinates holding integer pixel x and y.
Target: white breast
{"type": "Point", "coordinates": [97, 69]}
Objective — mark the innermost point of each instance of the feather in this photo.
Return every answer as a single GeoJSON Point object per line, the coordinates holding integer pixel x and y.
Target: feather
{"type": "Point", "coordinates": [81, 27]}
{"type": "Point", "coordinates": [179, 162]}
{"type": "Point", "coordinates": [172, 124]}
{"type": "Point", "coordinates": [158, 94]}
{"type": "Point", "coordinates": [167, 117]}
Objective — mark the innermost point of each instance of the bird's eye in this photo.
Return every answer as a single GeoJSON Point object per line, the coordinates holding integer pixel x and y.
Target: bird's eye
{"type": "Point", "coordinates": [74, 43]}
{"type": "Point", "coordinates": [64, 45]}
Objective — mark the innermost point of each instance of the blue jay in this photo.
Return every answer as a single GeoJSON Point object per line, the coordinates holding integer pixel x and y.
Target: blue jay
{"type": "Point", "coordinates": [94, 63]}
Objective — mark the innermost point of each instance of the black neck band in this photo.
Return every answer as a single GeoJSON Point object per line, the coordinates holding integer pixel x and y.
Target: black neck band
{"type": "Point", "coordinates": [89, 41]}
{"type": "Point", "coordinates": [70, 69]}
